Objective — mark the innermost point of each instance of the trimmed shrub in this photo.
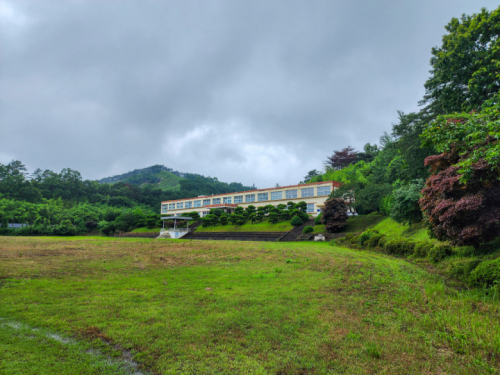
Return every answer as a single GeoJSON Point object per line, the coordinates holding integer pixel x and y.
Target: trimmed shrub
{"type": "Point", "coordinates": [488, 247]}
{"type": "Point", "coordinates": [422, 249]}
{"type": "Point", "coordinates": [308, 229]}
{"type": "Point", "coordinates": [373, 241]}
{"type": "Point", "coordinates": [400, 246]}
{"type": "Point", "coordinates": [296, 221]}
{"type": "Point", "coordinates": [382, 241]}
{"type": "Point", "coordinates": [439, 252]}
{"type": "Point", "coordinates": [354, 239]}
{"type": "Point", "coordinates": [366, 235]}
{"type": "Point", "coordinates": [486, 274]}
{"type": "Point", "coordinates": [462, 269]}
{"type": "Point", "coordinates": [317, 220]}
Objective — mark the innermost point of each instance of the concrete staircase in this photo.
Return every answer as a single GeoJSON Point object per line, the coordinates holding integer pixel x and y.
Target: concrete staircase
{"type": "Point", "coordinates": [296, 232]}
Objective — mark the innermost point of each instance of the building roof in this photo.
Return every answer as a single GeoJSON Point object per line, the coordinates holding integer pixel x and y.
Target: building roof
{"type": "Point", "coordinates": [334, 183]}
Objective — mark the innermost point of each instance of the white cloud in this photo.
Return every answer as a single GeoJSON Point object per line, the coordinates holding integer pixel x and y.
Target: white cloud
{"type": "Point", "coordinates": [11, 16]}
{"type": "Point", "coordinates": [232, 153]}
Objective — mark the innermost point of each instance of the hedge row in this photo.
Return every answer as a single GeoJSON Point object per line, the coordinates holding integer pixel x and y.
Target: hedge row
{"type": "Point", "coordinates": [476, 272]}
{"type": "Point", "coordinates": [400, 246]}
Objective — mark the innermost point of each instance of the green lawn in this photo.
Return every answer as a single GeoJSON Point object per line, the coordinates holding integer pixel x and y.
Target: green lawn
{"type": "Point", "coordinates": [389, 227]}
{"type": "Point", "coordinates": [146, 230]}
{"type": "Point", "coordinates": [355, 224]}
{"type": "Point", "coordinates": [264, 226]}
{"type": "Point", "coordinates": [74, 305]}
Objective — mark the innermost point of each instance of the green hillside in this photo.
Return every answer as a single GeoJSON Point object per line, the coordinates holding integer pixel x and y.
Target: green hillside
{"type": "Point", "coordinates": [158, 175]}
{"type": "Point", "coordinates": [190, 184]}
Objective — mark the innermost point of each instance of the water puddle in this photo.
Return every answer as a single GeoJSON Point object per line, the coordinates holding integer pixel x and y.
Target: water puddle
{"type": "Point", "coordinates": [124, 362]}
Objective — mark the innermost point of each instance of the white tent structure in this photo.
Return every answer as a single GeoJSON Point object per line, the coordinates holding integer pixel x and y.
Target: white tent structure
{"type": "Point", "coordinates": [177, 232]}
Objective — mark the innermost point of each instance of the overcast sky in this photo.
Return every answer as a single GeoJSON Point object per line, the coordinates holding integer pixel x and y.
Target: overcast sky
{"type": "Point", "coordinates": [247, 91]}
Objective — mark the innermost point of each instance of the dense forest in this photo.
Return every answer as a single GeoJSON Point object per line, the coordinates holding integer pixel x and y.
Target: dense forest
{"type": "Point", "coordinates": [440, 164]}
{"type": "Point", "coordinates": [51, 200]}
{"type": "Point", "coordinates": [168, 179]}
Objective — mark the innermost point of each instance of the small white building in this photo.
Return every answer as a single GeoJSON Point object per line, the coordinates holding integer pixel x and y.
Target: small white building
{"type": "Point", "coordinates": [314, 194]}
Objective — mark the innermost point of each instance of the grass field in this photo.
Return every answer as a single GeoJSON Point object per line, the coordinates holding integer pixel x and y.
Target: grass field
{"type": "Point", "coordinates": [146, 230]}
{"type": "Point", "coordinates": [389, 227]}
{"type": "Point", "coordinates": [87, 305]}
{"type": "Point", "coordinates": [356, 224]}
{"type": "Point", "coordinates": [263, 226]}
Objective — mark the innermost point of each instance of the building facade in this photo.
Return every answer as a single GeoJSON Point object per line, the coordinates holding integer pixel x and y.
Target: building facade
{"type": "Point", "coordinates": [314, 195]}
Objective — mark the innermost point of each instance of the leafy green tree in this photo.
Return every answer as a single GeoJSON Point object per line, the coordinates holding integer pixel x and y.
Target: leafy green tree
{"type": "Point", "coordinates": [5, 221]}
{"type": "Point", "coordinates": [206, 221]}
{"type": "Point", "coordinates": [285, 215]}
{"type": "Point", "coordinates": [290, 205]}
{"type": "Point", "coordinates": [268, 208]}
{"type": "Point", "coordinates": [223, 219]}
{"type": "Point", "coordinates": [194, 215]}
{"type": "Point", "coordinates": [261, 212]}
{"type": "Point", "coordinates": [273, 217]}
{"type": "Point", "coordinates": [465, 69]}
{"type": "Point", "coordinates": [214, 219]}
{"type": "Point", "coordinates": [385, 205]}
{"type": "Point", "coordinates": [302, 206]}
{"type": "Point", "coordinates": [151, 222]}
{"type": "Point", "coordinates": [90, 225]}
{"type": "Point", "coordinates": [405, 208]}
{"type": "Point", "coordinates": [310, 175]}
{"type": "Point", "coordinates": [66, 228]}
{"type": "Point", "coordinates": [232, 218]}
{"type": "Point", "coordinates": [296, 221]}
{"type": "Point", "coordinates": [239, 220]}
{"type": "Point", "coordinates": [251, 210]}
{"type": "Point", "coordinates": [216, 211]}
{"type": "Point", "coordinates": [368, 199]}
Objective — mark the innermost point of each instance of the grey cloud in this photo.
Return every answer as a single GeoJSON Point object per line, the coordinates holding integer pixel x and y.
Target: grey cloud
{"type": "Point", "coordinates": [107, 87]}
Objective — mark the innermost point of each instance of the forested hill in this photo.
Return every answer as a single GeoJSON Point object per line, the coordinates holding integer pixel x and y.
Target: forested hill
{"type": "Point", "coordinates": [167, 179]}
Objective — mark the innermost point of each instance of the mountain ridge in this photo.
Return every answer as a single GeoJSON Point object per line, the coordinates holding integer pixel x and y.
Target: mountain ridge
{"type": "Point", "coordinates": [168, 179]}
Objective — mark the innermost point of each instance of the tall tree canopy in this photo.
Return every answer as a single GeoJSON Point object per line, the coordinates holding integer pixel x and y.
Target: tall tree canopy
{"type": "Point", "coordinates": [465, 69]}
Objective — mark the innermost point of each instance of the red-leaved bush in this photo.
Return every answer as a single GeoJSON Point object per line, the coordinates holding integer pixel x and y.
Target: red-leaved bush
{"type": "Point", "coordinates": [334, 215]}
{"type": "Point", "coordinates": [464, 213]}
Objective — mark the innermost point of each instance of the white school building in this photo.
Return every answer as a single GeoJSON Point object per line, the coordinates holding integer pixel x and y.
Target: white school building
{"type": "Point", "coordinates": [314, 194]}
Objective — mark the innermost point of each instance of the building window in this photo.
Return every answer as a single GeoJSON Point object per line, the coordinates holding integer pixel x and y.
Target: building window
{"type": "Point", "coordinates": [262, 197]}
{"type": "Point", "coordinates": [309, 192]}
{"type": "Point", "coordinates": [324, 190]}
{"type": "Point", "coordinates": [164, 209]}
{"type": "Point", "coordinates": [216, 201]}
{"type": "Point", "coordinates": [227, 200]}
{"type": "Point", "coordinates": [238, 199]}
{"type": "Point", "coordinates": [275, 195]}
{"type": "Point", "coordinates": [206, 202]}
{"type": "Point", "coordinates": [310, 207]}
{"type": "Point", "coordinates": [180, 205]}
{"type": "Point", "coordinates": [197, 203]}
{"type": "Point", "coordinates": [250, 198]}
{"type": "Point", "coordinates": [290, 194]}
{"type": "Point", "coordinates": [189, 204]}
{"type": "Point", "coordinates": [171, 206]}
